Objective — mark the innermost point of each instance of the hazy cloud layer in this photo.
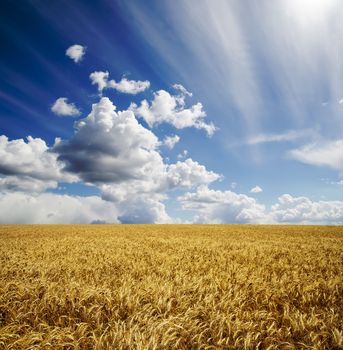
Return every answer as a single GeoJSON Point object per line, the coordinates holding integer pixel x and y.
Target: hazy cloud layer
{"type": "Point", "coordinates": [49, 208]}
{"type": "Point", "coordinates": [325, 153]}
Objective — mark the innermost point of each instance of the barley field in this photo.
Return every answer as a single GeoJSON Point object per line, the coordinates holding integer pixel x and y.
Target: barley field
{"type": "Point", "coordinates": [171, 287]}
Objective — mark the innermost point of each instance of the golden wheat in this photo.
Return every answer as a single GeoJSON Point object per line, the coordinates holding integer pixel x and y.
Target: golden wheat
{"type": "Point", "coordinates": [171, 287]}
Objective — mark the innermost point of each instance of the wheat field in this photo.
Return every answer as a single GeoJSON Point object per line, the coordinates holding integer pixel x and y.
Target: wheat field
{"type": "Point", "coordinates": [171, 287]}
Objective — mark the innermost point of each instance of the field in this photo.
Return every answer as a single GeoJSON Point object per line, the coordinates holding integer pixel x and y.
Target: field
{"type": "Point", "coordinates": [171, 287]}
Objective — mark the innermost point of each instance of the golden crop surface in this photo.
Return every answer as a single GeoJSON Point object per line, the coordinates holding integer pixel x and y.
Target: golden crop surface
{"type": "Point", "coordinates": [171, 287]}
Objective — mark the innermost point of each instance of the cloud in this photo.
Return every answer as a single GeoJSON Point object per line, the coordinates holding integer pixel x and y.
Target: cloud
{"type": "Point", "coordinates": [166, 108]}
{"type": "Point", "coordinates": [289, 135]}
{"type": "Point", "coordinates": [100, 79]}
{"type": "Point", "coordinates": [61, 107]}
{"type": "Point", "coordinates": [183, 154]}
{"type": "Point", "coordinates": [340, 101]}
{"type": "Point", "coordinates": [29, 166]}
{"type": "Point", "coordinates": [256, 189]}
{"type": "Point", "coordinates": [76, 52]}
{"type": "Point", "coordinates": [189, 173]}
{"type": "Point", "coordinates": [263, 64]}
{"type": "Point", "coordinates": [110, 147]}
{"type": "Point", "coordinates": [302, 210]}
{"type": "Point", "coordinates": [222, 207]}
{"type": "Point", "coordinates": [49, 208]}
{"type": "Point", "coordinates": [327, 153]}
{"type": "Point", "coordinates": [144, 209]}
{"type": "Point", "coordinates": [171, 141]}
{"type": "Point", "coordinates": [126, 86]}
{"type": "Point", "coordinates": [182, 90]}
{"type": "Point", "coordinates": [113, 151]}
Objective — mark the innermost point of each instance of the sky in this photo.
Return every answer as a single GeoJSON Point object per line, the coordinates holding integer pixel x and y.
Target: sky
{"type": "Point", "coordinates": [178, 111]}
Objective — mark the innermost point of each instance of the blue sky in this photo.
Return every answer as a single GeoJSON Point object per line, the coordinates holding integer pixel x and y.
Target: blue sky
{"type": "Point", "coordinates": [241, 119]}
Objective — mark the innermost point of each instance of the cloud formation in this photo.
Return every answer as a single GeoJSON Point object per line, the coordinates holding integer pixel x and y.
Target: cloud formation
{"type": "Point", "coordinates": [62, 108]}
{"type": "Point", "coordinates": [171, 141]}
{"type": "Point", "coordinates": [189, 173]}
{"type": "Point", "coordinates": [326, 153]}
{"type": "Point", "coordinates": [113, 151]}
{"type": "Point", "coordinates": [289, 135]}
{"type": "Point", "coordinates": [125, 86]}
{"type": "Point", "coordinates": [302, 210]}
{"type": "Point", "coordinates": [220, 207]}
{"type": "Point", "coordinates": [167, 108]}
{"type": "Point", "coordinates": [110, 147]}
{"type": "Point", "coordinates": [256, 189]}
{"type": "Point", "coordinates": [49, 208]}
{"type": "Point", "coordinates": [29, 166]}
{"type": "Point", "coordinates": [76, 52]}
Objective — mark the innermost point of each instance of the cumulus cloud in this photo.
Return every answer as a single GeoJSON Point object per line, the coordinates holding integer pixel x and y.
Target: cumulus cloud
{"type": "Point", "coordinates": [100, 79]}
{"type": "Point", "coordinates": [256, 189]}
{"type": "Point", "coordinates": [76, 52]}
{"type": "Point", "coordinates": [126, 86]}
{"type": "Point", "coordinates": [113, 151]}
{"type": "Point", "coordinates": [110, 147]}
{"type": "Point", "coordinates": [220, 207]}
{"type": "Point", "coordinates": [171, 141]}
{"type": "Point", "coordinates": [166, 108]}
{"type": "Point", "coordinates": [189, 173]}
{"type": "Point", "coordinates": [49, 208]}
{"type": "Point", "coordinates": [29, 166]}
{"type": "Point", "coordinates": [144, 209]}
{"type": "Point", "coordinates": [328, 153]}
{"type": "Point", "coordinates": [291, 209]}
{"type": "Point", "coordinates": [61, 107]}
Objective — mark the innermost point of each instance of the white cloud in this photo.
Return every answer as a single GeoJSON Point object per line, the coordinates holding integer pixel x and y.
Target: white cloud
{"type": "Point", "coordinates": [166, 108]}
{"type": "Point", "coordinates": [189, 173]}
{"type": "Point", "coordinates": [289, 135]}
{"type": "Point", "coordinates": [302, 210]}
{"type": "Point", "coordinates": [182, 89]}
{"type": "Point", "coordinates": [233, 185]}
{"type": "Point", "coordinates": [49, 208]}
{"type": "Point", "coordinates": [222, 206]}
{"type": "Point", "coordinates": [340, 101]}
{"type": "Point", "coordinates": [256, 189]}
{"type": "Point", "coordinates": [114, 152]}
{"type": "Point", "coordinates": [327, 153]}
{"type": "Point", "coordinates": [76, 52]}
{"type": "Point", "coordinates": [126, 86]}
{"type": "Point", "coordinates": [110, 147]}
{"type": "Point", "coordinates": [29, 165]}
{"type": "Point", "coordinates": [183, 154]}
{"type": "Point", "coordinates": [100, 79]}
{"type": "Point", "coordinates": [61, 107]}
{"type": "Point", "coordinates": [171, 141]}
